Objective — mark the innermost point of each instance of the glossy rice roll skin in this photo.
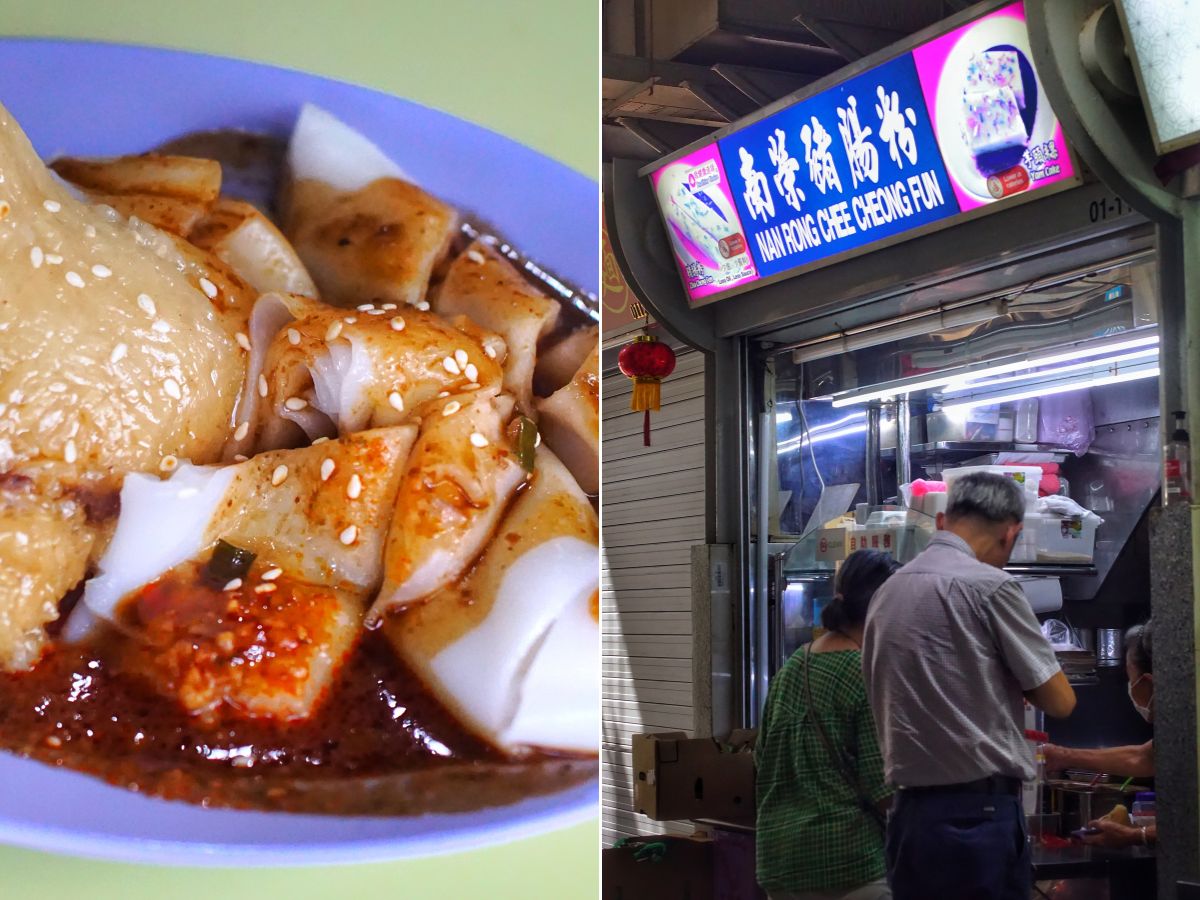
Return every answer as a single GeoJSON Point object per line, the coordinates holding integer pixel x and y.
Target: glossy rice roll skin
{"type": "Point", "coordinates": [327, 371]}
{"type": "Point", "coordinates": [116, 356]}
{"type": "Point", "coordinates": [483, 286]}
{"type": "Point", "coordinates": [570, 423]}
{"type": "Point", "coordinates": [463, 472]}
{"type": "Point", "coordinates": [267, 639]}
{"type": "Point", "coordinates": [365, 233]}
{"type": "Point", "coordinates": [511, 648]}
{"type": "Point", "coordinates": [250, 244]}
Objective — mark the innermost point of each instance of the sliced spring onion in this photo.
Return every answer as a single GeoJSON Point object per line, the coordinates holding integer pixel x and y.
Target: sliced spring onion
{"type": "Point", "coordinates": [228, 562]}
{"type": "Point", "coordinates": [526, 442]}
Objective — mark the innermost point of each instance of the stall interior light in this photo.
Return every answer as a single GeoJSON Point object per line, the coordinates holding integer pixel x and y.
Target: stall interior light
{"type": "Point", "coordinates": [1045, 390]}
{"type": "Point", "coordinates": [1166, 59]}
{"type": "Point", "coordinates": [1132, 356]}
{"type": "Point", "coordinates": [966, 377]}
{"type": "Point", "coordinates": [843, 427]}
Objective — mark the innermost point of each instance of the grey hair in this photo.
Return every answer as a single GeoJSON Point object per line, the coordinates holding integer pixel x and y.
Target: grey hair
{"type": "Point", "coordinates": [983, 495]}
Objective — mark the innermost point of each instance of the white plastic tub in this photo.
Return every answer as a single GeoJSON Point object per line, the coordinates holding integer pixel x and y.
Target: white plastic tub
{"type": "Point", "coordinates": [1028, 477]}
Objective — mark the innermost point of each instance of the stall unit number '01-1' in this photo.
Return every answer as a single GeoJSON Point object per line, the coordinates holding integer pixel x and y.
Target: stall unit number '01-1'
{"type": "Point", "coordinates": [1108, 208]}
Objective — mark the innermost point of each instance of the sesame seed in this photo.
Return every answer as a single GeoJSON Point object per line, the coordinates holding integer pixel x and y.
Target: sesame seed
{"type": "Point", "coordinates": [490, 351]}
{"type": "Point", "coordinates": [171, 386]}
{"type": "Point", "coordinates": [537, 439]}
{"type": "Point", "coordinates": [320, 440]}
{"type": "Point", "coordinates": [265, 588]}
{"type": "Point", "coordinates": [396, 401]}
{"type": "Point", "coordinates": [388, 306]}
{"type": "Point", "coordinates": [376, 312]}
{"type": "Point", "coordinates": [327, 467]}
{"type": "Point", "coordinates": [36, 257]}
{"type": "Point", "coordinates": [118, 353]}
{"type": "Point", "coordinates": [53, 740]}
{"type": "Point", "coordinates": [243, 340]}
{"type": "Point", "coordinates": [101, 271]}
{"type": "Point", "coordinates": [69, 452]}
{"type": "Point", "coordinates": [475, 256]}
{"type": "Point", "coordinates": [334, 330]}
{"type": "Point", "coordinates": [350, 320]}
{"type": "Point", "coordinates": [473, 386]}
{"type": "Point", "coordinates": [348, 536]}
{"type": "Point", "coordinates": [451, 408]}
{"type": "Point", "coordinates": [240, 457]}
{"type": "Point", "coordinates": [460, 357]}
{"type": "Point", "coordinates": [262, 385]}
{"type": "Point", "coordinates": [54, 259]}
{"type": "Point", "coordinates": [472, 372]}
{"type": "Point", "coordinates": [295, 404]}
{"type": "Point", "coordinates": [209, 288]}
{"type": "Point", "coordinates": [293, 337]}
{"type": "Point", "coordinates": [74, 279]}
{"type": "Point", "coordinates": [478, 439]}
{"type": "Point", "coordinates": [451, 366]}
{"type": "Point", "coordinates": [52, 205]}
{"type": "Point", "coordinates": [233, 584]}
{"type": "Point", "coordinates": [168, 463]}
{"type": "Point", "coordinates": [242, 431]}
{"type": "Point", "coordinates": [365, 306]}
{"type": "Point", "coordinates": [161, 326]}
{"type": "Point", "coordinates": [279, 476]}
{"type": "Point", "coordinates": [423, 306]}
{"type": "Point", "coordinates": [397, 324]}
{"type": "Point", "coordinates": [354, 487]}
{"type": "Point", "coordinates": [271, 574]}
{"type": "Point", "coordinates": [147, 304]}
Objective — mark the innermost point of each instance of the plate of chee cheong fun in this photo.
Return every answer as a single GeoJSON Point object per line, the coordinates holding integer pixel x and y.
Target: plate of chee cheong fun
{"type": "Point", "coordinates": [298, 468]}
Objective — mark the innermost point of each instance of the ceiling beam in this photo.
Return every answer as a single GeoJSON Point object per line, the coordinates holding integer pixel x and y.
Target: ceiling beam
{"type": "Point", "coordinates": [612, 105]}
{"type": "Point", "coordinates": [660, 148]}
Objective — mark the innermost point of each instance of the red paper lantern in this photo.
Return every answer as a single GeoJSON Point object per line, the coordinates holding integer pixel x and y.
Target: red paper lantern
{"type": "Point", "coordinates": [647, 361]}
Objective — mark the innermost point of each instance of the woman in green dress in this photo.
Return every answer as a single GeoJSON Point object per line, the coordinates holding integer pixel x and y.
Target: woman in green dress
{"type": "Point", "coordinates": [820, 790]}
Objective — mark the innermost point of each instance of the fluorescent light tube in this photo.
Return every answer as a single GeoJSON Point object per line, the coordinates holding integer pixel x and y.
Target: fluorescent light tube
{"type": "Point", "coordinates": [1047, 390]}
{"type": "Point", "coordinates": [963, 375]}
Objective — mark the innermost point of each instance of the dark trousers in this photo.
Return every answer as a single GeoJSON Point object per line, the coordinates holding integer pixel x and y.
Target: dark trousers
{"type": "Point", "coordinates": [951, 846]}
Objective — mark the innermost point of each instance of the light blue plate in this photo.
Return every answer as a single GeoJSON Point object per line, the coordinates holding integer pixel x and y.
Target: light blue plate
{"type": "Point", "coordinates": [91, 99]}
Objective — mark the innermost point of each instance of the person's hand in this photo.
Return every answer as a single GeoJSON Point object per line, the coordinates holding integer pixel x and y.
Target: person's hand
{"type": "Point", "coordinates": [1114, 834]}
{"type": "Point", "coordinates": [1057, 758]}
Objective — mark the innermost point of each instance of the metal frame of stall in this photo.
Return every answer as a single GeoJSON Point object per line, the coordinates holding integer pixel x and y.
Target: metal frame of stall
{"type": "Point", "coordinates": [1074, 230]}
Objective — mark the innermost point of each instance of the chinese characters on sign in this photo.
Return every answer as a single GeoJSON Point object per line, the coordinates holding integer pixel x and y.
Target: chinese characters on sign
{"type": "Point", "coordinates": [957, 124]}
{"type": "Point", "coordinates": [883, 177]}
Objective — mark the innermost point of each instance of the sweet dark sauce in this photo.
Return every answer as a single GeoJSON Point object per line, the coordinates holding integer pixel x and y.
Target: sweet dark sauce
{"type": "Point", "coordinates": [380, 743]}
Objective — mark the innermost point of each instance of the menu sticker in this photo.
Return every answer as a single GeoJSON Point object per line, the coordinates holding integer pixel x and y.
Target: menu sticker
{"type": "Point", "coordinates": [997, 133]}
{"type": "Point", "coordinates": [703, 223]}
{"type": "Point", "coordinates": [847, 167]}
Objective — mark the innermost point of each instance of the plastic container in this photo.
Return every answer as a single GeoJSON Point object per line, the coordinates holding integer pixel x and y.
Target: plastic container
{"type": "Point", "coordinates": [1028, 477]}
{"type": "Point", "coordinates": [1053, 539]}
{"type": "Point", "coordinates": [1143, 811]}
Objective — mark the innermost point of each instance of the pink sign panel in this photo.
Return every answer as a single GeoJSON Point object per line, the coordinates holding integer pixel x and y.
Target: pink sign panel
{"type": "Point", "coordinates": [702, 220]}
{"type": "Point", "coordinates": [995, 129]}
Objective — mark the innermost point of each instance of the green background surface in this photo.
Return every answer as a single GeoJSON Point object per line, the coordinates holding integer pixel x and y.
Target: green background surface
{"type": "Point", "coordinates": [528, 69]}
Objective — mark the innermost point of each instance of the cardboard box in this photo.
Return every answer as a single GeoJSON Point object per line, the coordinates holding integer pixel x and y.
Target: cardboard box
{"type": "Point", "coordinates": [658, 867]}
{"type": "Point", "coordinates": [676, 777]}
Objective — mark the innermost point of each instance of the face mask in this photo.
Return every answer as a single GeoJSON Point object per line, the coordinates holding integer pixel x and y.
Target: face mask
{"type": "Point", "coordinates": [1143, 711]}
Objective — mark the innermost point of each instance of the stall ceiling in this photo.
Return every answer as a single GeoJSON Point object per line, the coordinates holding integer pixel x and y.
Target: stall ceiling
{"type": "Point", "coordinates": [676, 70]}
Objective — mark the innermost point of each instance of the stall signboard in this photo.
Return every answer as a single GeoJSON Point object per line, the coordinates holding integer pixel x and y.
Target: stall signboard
{"type": "Point", "coordinates": [942, 132]}
{"type": "Point", "coordinates": [702, 222]}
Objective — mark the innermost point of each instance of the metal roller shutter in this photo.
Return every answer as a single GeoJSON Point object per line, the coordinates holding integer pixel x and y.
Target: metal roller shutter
{"type": "Point", "coordinates": [652, 513]}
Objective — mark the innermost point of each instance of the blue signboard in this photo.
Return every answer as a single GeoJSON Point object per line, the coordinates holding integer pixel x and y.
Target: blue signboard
{"type": "Point", "coordinates": [850, 166]}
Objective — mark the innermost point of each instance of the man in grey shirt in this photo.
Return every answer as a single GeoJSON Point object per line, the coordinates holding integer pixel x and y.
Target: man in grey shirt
{"type": "Point", "coordinates": [950, 652]}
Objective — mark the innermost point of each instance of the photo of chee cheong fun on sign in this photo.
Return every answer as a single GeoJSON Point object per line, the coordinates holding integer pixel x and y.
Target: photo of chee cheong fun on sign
{"type": "Point", "coordinates": [957, 124]}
